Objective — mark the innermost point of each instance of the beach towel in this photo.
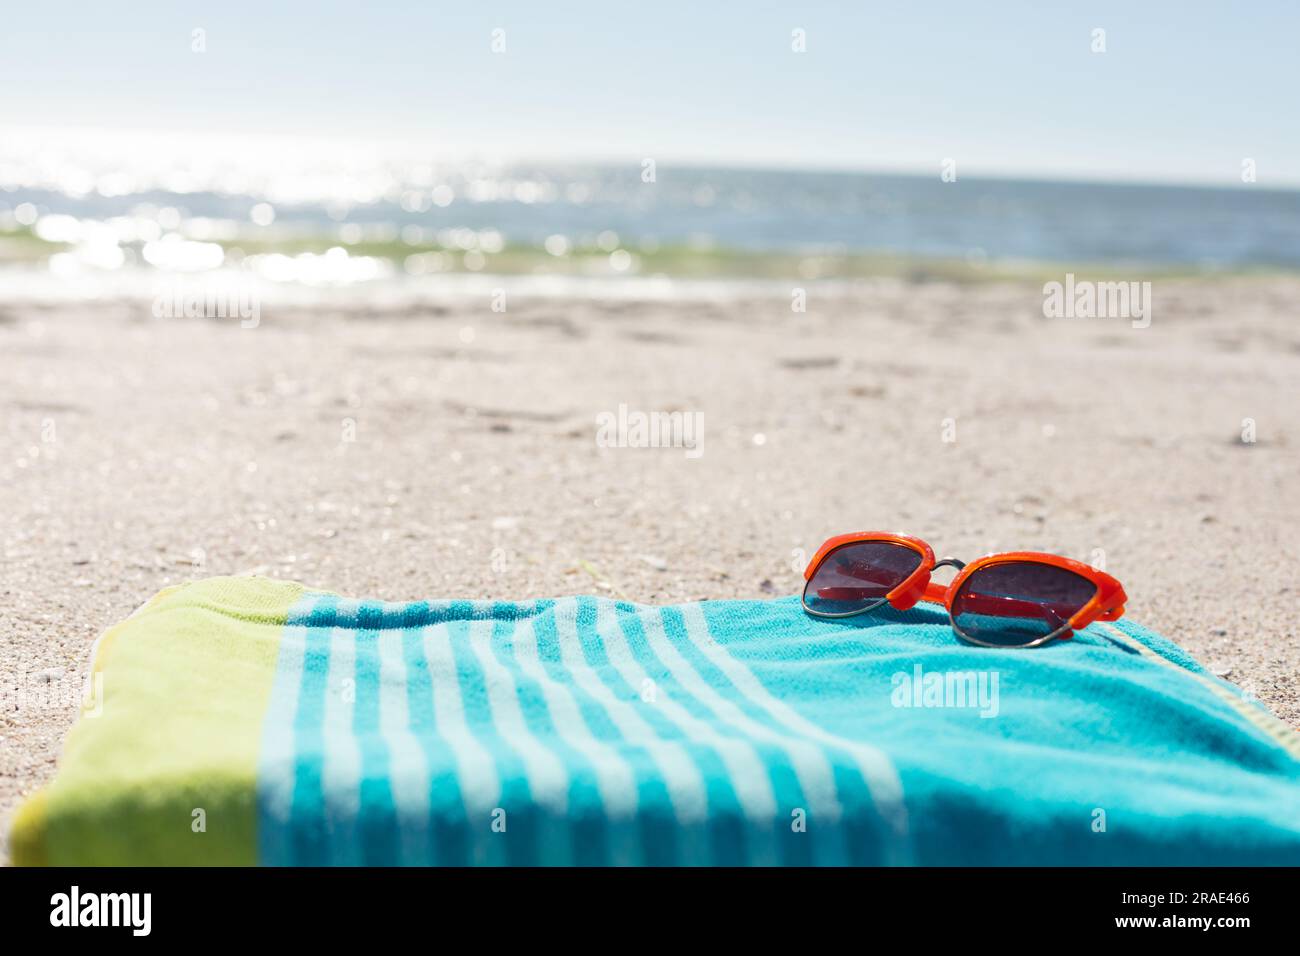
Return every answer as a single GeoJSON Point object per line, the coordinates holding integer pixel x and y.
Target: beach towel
{"type": "Point", "coordinates": [251, 721]}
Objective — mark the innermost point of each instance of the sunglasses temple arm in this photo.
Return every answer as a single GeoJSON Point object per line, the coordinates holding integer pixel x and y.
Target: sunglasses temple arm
{"type": "Point", "coordinates": [997, 606]}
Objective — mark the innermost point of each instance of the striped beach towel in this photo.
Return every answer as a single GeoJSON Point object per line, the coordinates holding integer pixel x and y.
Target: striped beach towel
{"type": "Point", "coordinates": [243, 720]}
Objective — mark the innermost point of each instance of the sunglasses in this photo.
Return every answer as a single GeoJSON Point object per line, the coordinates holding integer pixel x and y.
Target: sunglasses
{"type": "Point", "coordinates": [1016, 599]}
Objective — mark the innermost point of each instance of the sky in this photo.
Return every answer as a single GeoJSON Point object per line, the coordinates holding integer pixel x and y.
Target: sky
{"type": "Point", "coordinates": [1184, 92]}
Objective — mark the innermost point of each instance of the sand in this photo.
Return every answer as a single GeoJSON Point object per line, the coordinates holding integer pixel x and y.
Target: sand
{"type": "Point", "coordinates": [141, 452]}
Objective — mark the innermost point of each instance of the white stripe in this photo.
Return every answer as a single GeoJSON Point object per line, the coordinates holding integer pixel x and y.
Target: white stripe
{"type": "Point", "coordinates": [681, 777]}
{"type": "Point", "coordinates": [614, 777]}
{"type": "Point", "coordinates": [275, 765]}
{"type": "Point", "coordinates": [875, 766]}
{"type": "Point", "coordinates": [340, 752]}
{"type": "Point", "coordinates": [408, 771]}
{"type": "Point", "coordinates": [548, 779]}
{"type": "Point", "coordinates": [812, 768]}
{"type": "Point", "coordinates": [744, 766]}
{"type": "Point", "coordinates": [476, 772]}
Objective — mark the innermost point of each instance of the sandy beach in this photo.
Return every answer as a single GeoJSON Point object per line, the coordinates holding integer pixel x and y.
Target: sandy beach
{"type": "Point", "coordinates": [439, 448]}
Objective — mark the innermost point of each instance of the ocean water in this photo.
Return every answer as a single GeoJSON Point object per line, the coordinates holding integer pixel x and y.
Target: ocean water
{"type": "Point", "coordinates": [197, 209]}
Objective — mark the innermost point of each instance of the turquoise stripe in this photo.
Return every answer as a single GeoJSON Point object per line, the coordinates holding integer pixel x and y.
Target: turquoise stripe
{"type": "Point", "coordinates": [861, 836]}
{"type": "Point", "coordinates": [540, 723]}
{"type": "Point", "coordinates": [535, 832]}
{"type": "Point", "coordinates": [728, 844]}
{"type": "Point", "coordinates": [309, 840]}
{"type": "Point", "coordinates": [377, 814]}
{"type": "Point", "coordinates": [623, 844]}
{"type": "Point", "coordinates": [660, 830]}
{"type": "Point", "coordinates": [448, 838]}
{"type": "Point", "coordinates": [340, 760]}
{"type": "Point", "coordinates": [518, 846]}
{"type": "Point", "coordinates": [586, 809]}
{"type": "Point", "coordinates": [276, 763]}
{"type": "Point", "coordinates": [656, 821]}
{"type": "Point", "coordinates": [796, 848]}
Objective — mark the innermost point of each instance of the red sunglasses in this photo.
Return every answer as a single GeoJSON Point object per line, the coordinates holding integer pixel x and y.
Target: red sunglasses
{"type": "Point", "coordinates": [1016, 599]}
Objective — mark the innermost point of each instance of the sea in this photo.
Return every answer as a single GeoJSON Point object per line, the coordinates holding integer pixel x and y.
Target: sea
{"type": "Point", "coordinates": [145, 209]}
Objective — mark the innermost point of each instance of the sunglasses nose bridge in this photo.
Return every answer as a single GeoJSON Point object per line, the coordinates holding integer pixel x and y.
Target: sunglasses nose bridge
{"type": "Point", "coordinates": [931, 590]}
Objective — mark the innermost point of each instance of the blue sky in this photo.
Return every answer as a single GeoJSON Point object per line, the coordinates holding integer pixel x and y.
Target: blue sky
{"type": "Point", "coordinates": [1184, 91]}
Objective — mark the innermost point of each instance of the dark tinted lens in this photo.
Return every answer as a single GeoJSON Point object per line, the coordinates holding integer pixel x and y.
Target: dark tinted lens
{"type": "Point", "coordinates": [857, 576]}
{"type": "Point", "coordinates": [1018, 603]}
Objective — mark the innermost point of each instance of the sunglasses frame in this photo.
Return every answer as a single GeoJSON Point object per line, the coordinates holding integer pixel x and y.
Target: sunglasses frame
{"type": "Point", "coordinates": [1106, 603]}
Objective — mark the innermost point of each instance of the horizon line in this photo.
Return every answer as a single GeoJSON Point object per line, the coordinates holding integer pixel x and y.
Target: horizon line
{"type": "Point", "coordinates": [395, 148]}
